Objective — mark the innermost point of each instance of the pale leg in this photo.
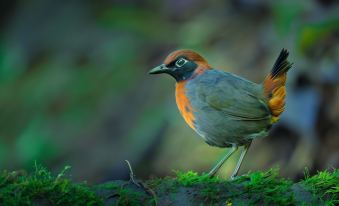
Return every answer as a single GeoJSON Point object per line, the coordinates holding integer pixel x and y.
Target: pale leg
{"type": "Point", "coordinates": [221, 162]}
{"type": "Point", "coordinates": [243, 153]}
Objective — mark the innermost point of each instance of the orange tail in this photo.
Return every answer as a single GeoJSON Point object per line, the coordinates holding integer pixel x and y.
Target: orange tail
{"type": "Point", "coordinates": [274, 85]}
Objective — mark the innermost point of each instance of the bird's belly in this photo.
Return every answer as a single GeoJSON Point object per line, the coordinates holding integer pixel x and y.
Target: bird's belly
{"type": "Point", "coordinates": [222, 131]}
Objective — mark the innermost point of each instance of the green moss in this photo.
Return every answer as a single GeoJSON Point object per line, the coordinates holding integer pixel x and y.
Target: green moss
{"type": "Point", "coordinates": [129, 197]}
{"type": "Point", "coordinates": [109, 186]}
{"type": "Point", "coordinates": [266, 188]}
{"type": "Point", "coordinates": [164, 185]}
{"type": "Point", "coordinates": [124, 193]}
{"type": "Point", "coordinates": [324, 185]}
{"type": "Point", "coordinates": [192, 178]}
{"type": "Point", "coordinates": [210, 194]}
{"type": "Point", "coordinates": [155, 182]}
{"type": "Point", "coordinates": [257, 188]}
{"type": "Point", "coordinates": [210, 189]}
{"type": "Point", "coordinates": [19, 188]}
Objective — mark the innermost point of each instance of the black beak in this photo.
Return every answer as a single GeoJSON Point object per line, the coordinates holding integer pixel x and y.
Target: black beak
{"type": "Point", "coordinates": [159, 69]}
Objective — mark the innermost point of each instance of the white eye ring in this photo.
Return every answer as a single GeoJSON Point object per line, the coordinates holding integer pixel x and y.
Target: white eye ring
{"type": "Point", "coordinates": [181, 62]}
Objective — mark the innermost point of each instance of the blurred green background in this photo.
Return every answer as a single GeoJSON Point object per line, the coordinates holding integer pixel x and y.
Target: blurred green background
{"type": "Point", "coordinates": [74, 88]}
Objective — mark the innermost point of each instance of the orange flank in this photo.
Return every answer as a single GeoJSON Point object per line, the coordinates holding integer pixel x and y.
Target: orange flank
{"type": "Point", "coordinates": [184, 104]}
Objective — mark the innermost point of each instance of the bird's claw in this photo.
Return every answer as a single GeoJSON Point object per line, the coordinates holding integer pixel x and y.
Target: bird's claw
{"type": "Point", "coordinates": [210, 175]}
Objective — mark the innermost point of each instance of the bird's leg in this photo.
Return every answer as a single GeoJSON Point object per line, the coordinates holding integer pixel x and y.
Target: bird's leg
{"type": "Point", "coordinates": [221, 162]}
{"type": "Point", "coordinates": [243, 153]}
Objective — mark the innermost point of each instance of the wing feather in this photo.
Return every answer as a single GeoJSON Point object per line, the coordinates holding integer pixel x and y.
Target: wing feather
{"type": "Point", "coordinates": [234, 96]}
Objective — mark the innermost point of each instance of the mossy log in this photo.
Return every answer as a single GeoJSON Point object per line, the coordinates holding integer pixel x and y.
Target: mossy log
{"type": "Point", "coordinates": [257, 188]}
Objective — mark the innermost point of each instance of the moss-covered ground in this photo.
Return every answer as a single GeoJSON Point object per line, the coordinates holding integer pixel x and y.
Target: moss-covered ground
{"type": "Point", "coordinates": [257, 188]}
{"type": "Point", "coordinates": [42, 188]}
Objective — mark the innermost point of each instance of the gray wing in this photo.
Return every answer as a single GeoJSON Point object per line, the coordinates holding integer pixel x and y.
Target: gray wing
{"type": "Point", "coordinates": [232, 95]}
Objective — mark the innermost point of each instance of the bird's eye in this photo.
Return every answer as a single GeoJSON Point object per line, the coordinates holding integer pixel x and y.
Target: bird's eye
{"type": "Point", "coordinates": [181, 62]}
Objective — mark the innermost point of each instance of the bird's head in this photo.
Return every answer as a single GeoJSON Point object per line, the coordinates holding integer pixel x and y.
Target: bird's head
{"type": "Point", "coordinates": [182, 64]}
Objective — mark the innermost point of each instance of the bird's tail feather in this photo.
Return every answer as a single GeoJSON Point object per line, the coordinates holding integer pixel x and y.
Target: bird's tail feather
{"type": "Point", "coordinates": [274, 85]}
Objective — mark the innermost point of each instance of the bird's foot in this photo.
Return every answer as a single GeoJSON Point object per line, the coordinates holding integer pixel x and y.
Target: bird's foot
{"type": "Point", "coordinates": [211, 174]}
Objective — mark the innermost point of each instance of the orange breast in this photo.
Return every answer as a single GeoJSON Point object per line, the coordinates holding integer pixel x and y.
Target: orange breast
{"type": "Point", "coordinates": [184, 104]}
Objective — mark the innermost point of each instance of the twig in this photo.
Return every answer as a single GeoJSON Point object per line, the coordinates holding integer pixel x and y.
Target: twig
{"type": "Point", "coordinates": [141, 184]}
{"type": "Point", "coordinates": [131, 173]}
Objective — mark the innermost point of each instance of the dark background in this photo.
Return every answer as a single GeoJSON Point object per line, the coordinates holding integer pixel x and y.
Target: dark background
{"type": "Point", "coordinates": [74, 88]}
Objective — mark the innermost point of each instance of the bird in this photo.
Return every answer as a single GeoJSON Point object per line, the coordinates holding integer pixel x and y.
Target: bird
{"type": "Point", "coordinates": [226, 110]}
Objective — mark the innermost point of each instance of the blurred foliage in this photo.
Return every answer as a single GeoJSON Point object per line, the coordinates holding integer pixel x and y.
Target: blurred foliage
{"type": "Point", "coordinates": [74, 87]}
